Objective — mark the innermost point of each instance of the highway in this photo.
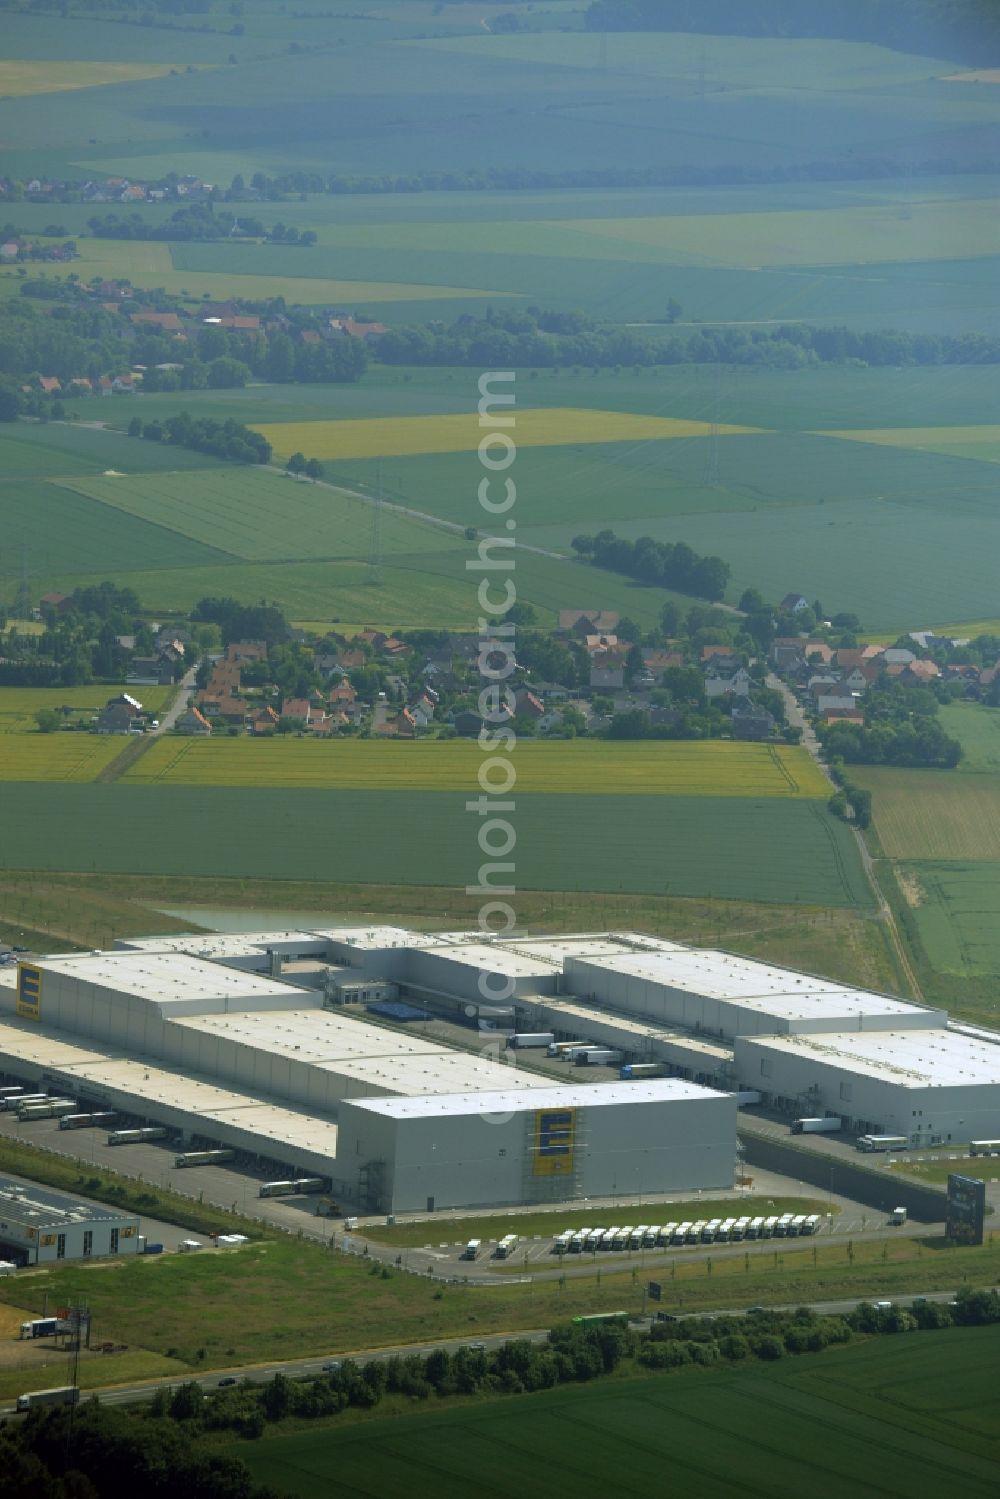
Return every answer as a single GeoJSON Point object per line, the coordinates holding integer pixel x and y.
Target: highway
{"type": "Point", "coordinates": [306, 1367]}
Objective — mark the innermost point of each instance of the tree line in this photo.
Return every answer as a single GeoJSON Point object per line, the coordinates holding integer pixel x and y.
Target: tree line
{"type": "Point", "coordinates": [203, 434]}
{"type": "Point", "coordinates": [668, 564]}
{"type": "Point", "coordinates": [195, 222]}
{"type": "Point", "coordinates": [535, 338]}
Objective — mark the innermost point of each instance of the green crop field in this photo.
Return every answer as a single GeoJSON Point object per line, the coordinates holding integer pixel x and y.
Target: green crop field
{"type": "Point", "coordinates": [62, 532]}
{"type": "Point", "coordinates": [898, 1417]}
{"type": "Point", "coordinates": [49, 449]}
{"type": "Point", "coordinates": [952, 905]}
{"type": "Point", "coordinates": [577, 767]}
{"type": "Point", "coordinates": [258, 515]}
{"type": "Point", "coordinates": [978, 731]}
{"type": "Point", "coordinates": [781, 849]}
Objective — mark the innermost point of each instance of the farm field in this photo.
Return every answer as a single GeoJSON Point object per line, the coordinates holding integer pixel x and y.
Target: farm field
{"type": "Point", "coordinates": [980, 442]}
{"type": "Point", "coordinates": [48, 449]}
{"type": "Point", "coordinates": [978, 731]}
{"type": "Point", "coordinates": [18, 705]}
{"type": "Point", "coordinates": [800, 401]}
{"type": "Point", "coordinates": [393, 436]}
{"type": "Point", "coordinates": [223, 271]}
{"type": "Point", "coordinates": [782, 849]}
{"type": "Point", "coordinates": [882, 1399]}
{"type": "Point", "coordinates": [256, 514]}
{"type": "Point", "coordinates": [928, 814]}
{"type": "Point", "coordinates": [656, 481]}
{"type": "Point", "coordinates": [953, 908]}
{"type": "Point", "coordinates": [60, 531]}
{"type": "Point", "coordinates": [18, 79]}
{"type": "Point", "coordinates": [56, 757]}
{"type": "Point", "coordinates": [575, 767]}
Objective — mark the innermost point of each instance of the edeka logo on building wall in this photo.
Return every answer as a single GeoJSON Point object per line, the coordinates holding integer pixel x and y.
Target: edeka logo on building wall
{"type": "Point", "coordinates": [554, 1141]}
{"type": "Point", "coordinates": [29, 991]}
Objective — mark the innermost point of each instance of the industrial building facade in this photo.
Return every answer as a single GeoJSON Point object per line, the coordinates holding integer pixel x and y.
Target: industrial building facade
{"type": "Point", "coordinates": [39, 1227]}
{"type": "Point", "coordinates": [477, 1149]}
{"type": "Point", "coordinates": [266, 1043]}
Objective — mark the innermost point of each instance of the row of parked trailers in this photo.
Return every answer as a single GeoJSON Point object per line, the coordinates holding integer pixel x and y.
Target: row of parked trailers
{"type": "Point", "coordinates": [708, 1231]}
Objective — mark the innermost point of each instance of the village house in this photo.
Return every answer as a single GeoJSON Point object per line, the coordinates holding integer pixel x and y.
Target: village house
{"type": "Point", "coordinates": [116, 718]}
{"type": "Point", "coordinates": [167, 322]}
{"type": "Point", "coordinates": [241, 652]}
{"type": "Point", "coordinates": [835, 695]}
{"type": "Point", "coordinates": [752, 722]}
{"type": "Point", "coordinates": [528, 705]}
{"type": "Point", "coordinates": [191, 721]}
{"type": "Point", "coordinates": [720, 685]}
{"type": "Point", "coordinates": [581, 622]}
{"type": "Point", "coordinates": [793, 603]}
{"type": "Point", "coordinates": [148, 671]}
{"type": "Point", "coordinates": [607, 675]}
{"type": "Point", "coordinates": [263, 720]}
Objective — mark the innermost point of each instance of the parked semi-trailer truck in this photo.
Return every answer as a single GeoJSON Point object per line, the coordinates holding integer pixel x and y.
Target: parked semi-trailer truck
{"type": "Point", "coordinates": [67, 1394]}
{"type": "Point", "coordinates": [829, 1126]}
{"type": "Point", "coordinates": [524, 1039]}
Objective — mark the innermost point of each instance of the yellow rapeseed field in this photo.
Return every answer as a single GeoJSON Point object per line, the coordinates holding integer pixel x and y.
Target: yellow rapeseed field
{"type": "Point", "coordinates": [391, 437]}
{"type": "Point", "coordinates": [592, 767]}
{"type": "Point", "coordinates": [20, 78]}
{"type": "Point", "coordinates": [56, 757]}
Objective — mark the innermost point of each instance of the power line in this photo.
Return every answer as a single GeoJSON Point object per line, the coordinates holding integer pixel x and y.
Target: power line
{"type": "Point", "coordinates": [711, 475]}
{"type": "Point", "coordinates": [375, 576]}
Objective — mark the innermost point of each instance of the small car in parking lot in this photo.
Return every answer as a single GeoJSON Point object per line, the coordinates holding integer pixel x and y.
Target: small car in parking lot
{"type": "Point", "coordinates": [229, 1379]}
{"type": "Point", "coordinates": [332, 1367]}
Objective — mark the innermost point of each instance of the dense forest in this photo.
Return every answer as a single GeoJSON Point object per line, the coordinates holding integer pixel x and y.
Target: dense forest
{"type": "Point", "coordinates": [942, 28]}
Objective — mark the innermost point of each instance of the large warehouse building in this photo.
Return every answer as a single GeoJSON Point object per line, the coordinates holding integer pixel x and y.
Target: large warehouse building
{"type": "Point", "coordinates": [933, 1086]}
{"type": "Point", "coordinates": [298, 1049]}
{"type": "Point", "coordinates": [474, 1149]}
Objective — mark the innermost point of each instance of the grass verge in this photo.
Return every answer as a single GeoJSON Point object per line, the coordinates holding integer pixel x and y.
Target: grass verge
{"type": "Point", "coordinates": [285, 1300]}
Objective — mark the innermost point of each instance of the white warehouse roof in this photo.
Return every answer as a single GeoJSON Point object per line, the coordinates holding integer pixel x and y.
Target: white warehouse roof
{"type": "Point", "coordinates": [167, 977]}
{"type": "Point", "coordinates": [656, 1090]}
{"type": "Point", "coordinates": [740, 981]}
{"type": "Point", "coordinates": [172, 1095]}
{"type": "Point", "coordinates": [908, 1059]}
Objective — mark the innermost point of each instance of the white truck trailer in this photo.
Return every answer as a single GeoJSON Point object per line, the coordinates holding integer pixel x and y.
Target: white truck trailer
{"type": "Point", "coordinates": [65, 1395]}
{"type": "Point", "coordinates": [828, 1126]}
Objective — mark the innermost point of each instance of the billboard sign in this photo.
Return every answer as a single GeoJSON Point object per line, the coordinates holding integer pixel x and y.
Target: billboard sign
{"type": "Point", "coordinates": [555, 1132]}
{"type": "Point", "coordinates": [966, 1209]}
{"type": "Point", "coordinates": [29, 991]}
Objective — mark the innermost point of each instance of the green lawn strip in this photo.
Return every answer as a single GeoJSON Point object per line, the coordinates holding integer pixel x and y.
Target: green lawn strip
{"type": "Point", "coordinates": [97, 1370]}
{"type": "Point", "coordinates": [986, 1168]}
{"type": "Point", "coordinates": [440, 1229]}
